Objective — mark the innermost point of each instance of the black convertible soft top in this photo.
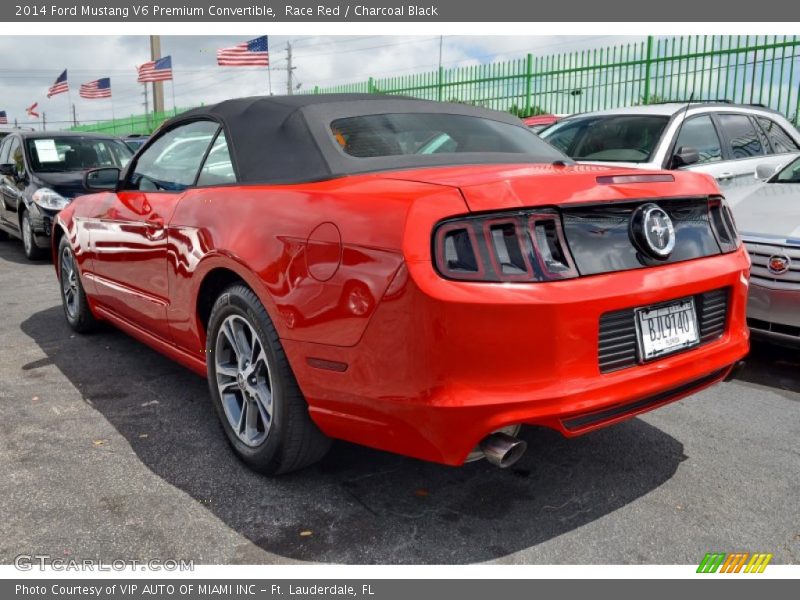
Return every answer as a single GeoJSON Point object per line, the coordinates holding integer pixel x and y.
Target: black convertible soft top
{"type": "Point", "coordinates": [287, 139]}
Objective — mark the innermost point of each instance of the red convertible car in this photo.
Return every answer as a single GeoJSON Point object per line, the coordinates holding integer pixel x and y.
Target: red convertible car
{"type": "Point", "coordinates": [418, 277]}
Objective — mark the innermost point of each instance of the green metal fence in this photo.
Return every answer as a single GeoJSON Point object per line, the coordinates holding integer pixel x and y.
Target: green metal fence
{"type": "Point", "coordinates": [144, 124]}
{"type": "Point", "coordinates": [744, 69]}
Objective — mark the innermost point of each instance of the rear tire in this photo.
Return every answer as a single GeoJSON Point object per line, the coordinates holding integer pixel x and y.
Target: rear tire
{"type": "Point", "coordinates": [256, 396]}
{"type": "Point", "coordinates": [32, 251]}
{"type": "Point", "coordinates": [73, 298]}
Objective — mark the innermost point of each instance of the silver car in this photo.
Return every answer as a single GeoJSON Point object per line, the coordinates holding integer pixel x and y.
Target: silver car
{"type": "Point", "coordinates": [727, 141]}
{"type": "Point", "coordinates": [768, 218]}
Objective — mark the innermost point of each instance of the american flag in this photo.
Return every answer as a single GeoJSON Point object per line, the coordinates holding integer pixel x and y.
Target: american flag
{"type": "Point", "coordinates": [253, 53]}
{"type": "Point", "coordinates": [156, 70]}
{"type": "Point", "coordinates": [3, 118]}
{"type": "Point", "coordinates": [60, 86]}
{"type": "Point", "coordinates": [99, 88]}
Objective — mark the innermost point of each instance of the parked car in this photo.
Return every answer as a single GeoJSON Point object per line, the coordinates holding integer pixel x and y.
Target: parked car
{"type": "Point", "coordinates": [6, 130]}
{"type": "Point", "coordinates": [537, 123]}
{"type": "Point", "coordinates": [40, 172]}
{"type": "Point", "coordinates": [768, 216]}
{"type": "Point", "coordinates": [136, 140]}
{"type": "Point", "coordinates": [727, 141]}
{"type": "Point", "coordinates": [334, 277]}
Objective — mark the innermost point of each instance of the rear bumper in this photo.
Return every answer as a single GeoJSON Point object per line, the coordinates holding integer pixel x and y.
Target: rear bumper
{"type": "Point", "coordinates": [442, 364]}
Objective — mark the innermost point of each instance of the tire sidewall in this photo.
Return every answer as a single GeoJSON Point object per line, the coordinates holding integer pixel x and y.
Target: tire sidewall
{"type": "Point", "coordinates": [268, 452]}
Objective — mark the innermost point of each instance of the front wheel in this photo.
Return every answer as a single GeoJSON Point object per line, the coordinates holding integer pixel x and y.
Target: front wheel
{"type": "Point", "coordinates": [32, 251]}
{"type": "Point", "coordinates": [255, 394]}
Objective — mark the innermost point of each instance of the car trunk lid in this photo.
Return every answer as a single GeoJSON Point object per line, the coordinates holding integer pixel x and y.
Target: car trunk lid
{"type": "Point", "coordinates": [501, 187]}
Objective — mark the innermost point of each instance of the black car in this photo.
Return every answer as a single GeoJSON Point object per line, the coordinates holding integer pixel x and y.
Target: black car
{"type": "Point", "coordinates": [136, 140]}
{"type": "Point", "coordinates": [41, 172]}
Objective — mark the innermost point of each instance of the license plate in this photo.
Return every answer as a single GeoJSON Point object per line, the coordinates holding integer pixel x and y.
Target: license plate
{"type": "Point", "coordinates": [666, 328]}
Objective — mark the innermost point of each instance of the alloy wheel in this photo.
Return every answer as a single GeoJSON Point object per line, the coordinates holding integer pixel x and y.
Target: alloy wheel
{"type": "Point", "coordinates": [27, 240]}
{"type": "Point", "coordinates": [69, 282]}
{"type": "Point", "coordinates": [243, 380]}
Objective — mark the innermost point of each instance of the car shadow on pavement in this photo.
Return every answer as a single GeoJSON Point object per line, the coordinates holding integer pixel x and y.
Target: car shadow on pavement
{"type": "Point", "coordinates": [358, 505]}
{"type": "Point", "coordinates": [11, 251]}
{"type": "Point", "coordinates": [773, 366]}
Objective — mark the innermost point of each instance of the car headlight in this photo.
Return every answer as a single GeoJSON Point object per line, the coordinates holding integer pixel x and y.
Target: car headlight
{"type": "Point", "coordinates": [47, 198]}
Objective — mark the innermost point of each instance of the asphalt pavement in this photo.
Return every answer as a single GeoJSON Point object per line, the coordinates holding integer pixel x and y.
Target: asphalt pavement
{"type": "Point", "coordinates": [109, 450]}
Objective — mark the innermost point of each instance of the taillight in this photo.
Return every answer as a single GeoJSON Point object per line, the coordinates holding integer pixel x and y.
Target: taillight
{"type": "Point", "coordinates": [518, 246]}
{"type": "Point", "coordinates": [723, 225]}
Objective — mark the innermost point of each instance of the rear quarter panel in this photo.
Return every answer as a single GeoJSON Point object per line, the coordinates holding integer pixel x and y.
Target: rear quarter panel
{"type": "Point", "coordinates": [319, 256]}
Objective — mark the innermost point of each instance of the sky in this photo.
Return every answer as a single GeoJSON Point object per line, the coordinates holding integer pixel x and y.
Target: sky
{"type": "Point", "coordinates": [32, 64]}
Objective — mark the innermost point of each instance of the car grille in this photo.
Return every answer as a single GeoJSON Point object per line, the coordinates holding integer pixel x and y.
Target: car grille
{"type": "Point", "coordinates": [617, 347]}
{"type": "Point", "coordinates": [759, 256]}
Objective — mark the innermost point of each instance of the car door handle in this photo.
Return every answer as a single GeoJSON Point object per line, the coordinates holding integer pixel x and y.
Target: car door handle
{"type": "Point", "coordinates": [725, 176]}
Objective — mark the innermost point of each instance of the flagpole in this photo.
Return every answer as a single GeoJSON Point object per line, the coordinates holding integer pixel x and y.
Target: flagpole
{"type": "Point", "coordinates": [174, 108]}
{"type": "Point", "coordinates": [269, 77]}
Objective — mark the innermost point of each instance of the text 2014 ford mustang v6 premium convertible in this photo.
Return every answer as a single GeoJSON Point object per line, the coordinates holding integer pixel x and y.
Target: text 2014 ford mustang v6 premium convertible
{"type": "Point", "coordinates": [413, 276]}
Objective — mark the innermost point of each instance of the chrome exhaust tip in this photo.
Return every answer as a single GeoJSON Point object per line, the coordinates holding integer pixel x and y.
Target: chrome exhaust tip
{"type": "Point", "coordinates": [502, 450]}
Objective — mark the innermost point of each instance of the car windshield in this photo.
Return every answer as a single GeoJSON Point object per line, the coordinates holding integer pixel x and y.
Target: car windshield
{"type": "Point", "coordinates": [612, 138]}
{"type": "Point", "coordinates": [789, 174]}
{"type": "Point", "coordinates": [419, 134]}
{"type": "Point", "coordinates": [63, 154]}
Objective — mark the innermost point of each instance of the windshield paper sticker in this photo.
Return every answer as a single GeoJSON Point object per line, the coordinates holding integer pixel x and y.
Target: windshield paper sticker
{"type": "Point", "coordinates": [46, 149]}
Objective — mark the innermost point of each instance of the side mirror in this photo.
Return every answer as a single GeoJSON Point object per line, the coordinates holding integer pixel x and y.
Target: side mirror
{"type": "Point", "coordinates": [764, 172]}
{"type": "Point", "coordinates": [8, 169]}
{"type": "Point", "coordinates": [685, 156]}
{"type": "Point", "coordinates": [101, 180]}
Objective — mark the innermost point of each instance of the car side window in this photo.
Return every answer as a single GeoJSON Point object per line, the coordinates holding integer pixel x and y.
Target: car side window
{"type": "Point", "coordinates": [742, 135]}
{"type": "Point", "coordinates": [15, 156]}
{"type": "Point", "coordinates": [699, 133]}
{"type": "Point", "coordinates": [218, 167]}
{"type": "Point", "coordinates": [4, 147]}
{"type": "Point", "coordinates": [781, 141]}
{"type": "Point", "coordinates": [171, 162]}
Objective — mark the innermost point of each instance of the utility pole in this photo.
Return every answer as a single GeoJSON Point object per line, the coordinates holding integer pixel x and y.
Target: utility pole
{"type": "Point", "coordinates": [289, 69]}
{"type": "Point", "coordinates": [74, 117]}
{"type": "Point", "coordinates": [44, 122]}
{"type": "Point", "coordinates": [158, 86]}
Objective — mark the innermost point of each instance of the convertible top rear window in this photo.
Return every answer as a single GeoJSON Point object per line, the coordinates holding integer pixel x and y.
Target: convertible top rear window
{"type": "Point", "coordinates": [401, 134]}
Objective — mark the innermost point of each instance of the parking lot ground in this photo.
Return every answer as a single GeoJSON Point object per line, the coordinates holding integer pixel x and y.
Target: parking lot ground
{"type": "Point", "coordinates": [111, 451]}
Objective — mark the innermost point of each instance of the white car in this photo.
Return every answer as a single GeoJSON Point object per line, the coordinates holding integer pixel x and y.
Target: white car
{"type": "Point", "coordinates": [768, 218]}
{"type": "Point", "coordinates": [727, 141]}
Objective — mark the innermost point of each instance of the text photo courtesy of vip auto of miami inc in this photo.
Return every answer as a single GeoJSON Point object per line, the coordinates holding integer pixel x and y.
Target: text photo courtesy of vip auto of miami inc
{"type": "Point", "coordinates": [400, 299]}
